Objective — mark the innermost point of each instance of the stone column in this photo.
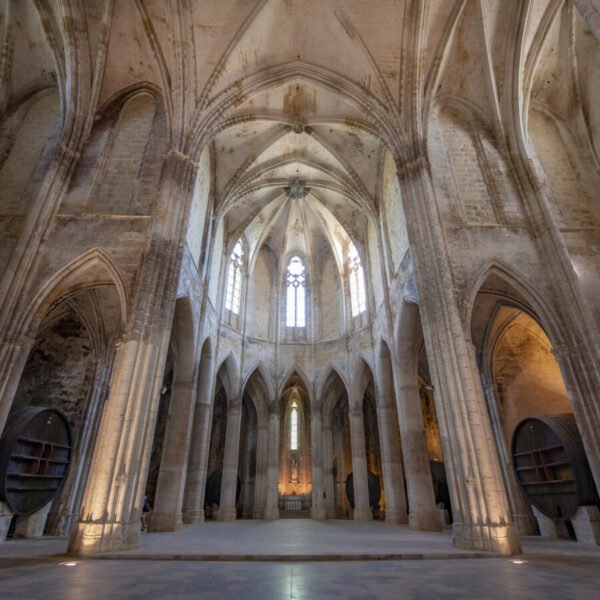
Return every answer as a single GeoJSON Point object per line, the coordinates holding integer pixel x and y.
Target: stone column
{"type": "Point", "coordinates": [520, 508]}
{"type": "Point", "coordinates": [337, 447]}
{"type": "Point", "coordinates": [14, 353]}
{"type": "Point", "coordinates": [479, 501]}
{"type": "Point", "coordinates": [227, 509]}
{"type": "Point", "coordinates": [113, 501]}
{"type": "Point", "coordinates": [586, 524]}
{"type": "Point", "coordinates": [66, 509]}
{"type": "Point", "coordinates": [272, 497]}
{"type": "Point", "coordinates": [362, 510]}
{"type": "Point", "coordinates": [166, 513]}
{"type": "Point", "coordinates": [329, 483]}
{"type": "Point", "coordinates": [391, 460]}
{"type": "Point", "coordinates": [317, 510]}
{"type": "Point", "coordinates": [195, 487]}
{"type": "Point", "coordinates": [262, 449]}
{"type": "Point", "coordinates": [421, 499]}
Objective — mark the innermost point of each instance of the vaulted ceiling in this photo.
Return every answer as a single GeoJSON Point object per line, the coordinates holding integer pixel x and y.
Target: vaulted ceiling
{"type": "Point", "coordinates": [307, 90]}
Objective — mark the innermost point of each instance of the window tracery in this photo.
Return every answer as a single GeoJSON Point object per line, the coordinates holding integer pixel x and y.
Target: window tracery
{"type": "Point", "coordinates": [296, 293]}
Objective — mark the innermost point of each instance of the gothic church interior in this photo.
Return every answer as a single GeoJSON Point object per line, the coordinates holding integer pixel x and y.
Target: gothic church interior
{"type": "Point", "coordinates": [314, 259]}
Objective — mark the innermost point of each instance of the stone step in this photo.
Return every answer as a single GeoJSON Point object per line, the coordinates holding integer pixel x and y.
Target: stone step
{"type": "Point", "coordinates": [294, 514]}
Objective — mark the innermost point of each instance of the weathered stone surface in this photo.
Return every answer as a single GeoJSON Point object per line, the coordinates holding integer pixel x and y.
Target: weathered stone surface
{"type": "Point", "coordinates": [448, 167]}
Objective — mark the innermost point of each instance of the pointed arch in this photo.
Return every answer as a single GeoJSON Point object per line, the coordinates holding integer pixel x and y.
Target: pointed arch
{"type": "Point", "coordinates": [408, 334]}
{"type": "Point", "coordinates": [205, 356]}
{"type": "Point", "coordinates": [228, 373]}
{"type": "Point", "coordinates": [259, 370]}
{"type": "Point", "coordinates": [257, 384]}
{"type": "Point", "coordinates": [385, 378]}
{"type": "Point", "coordinates": [91, 269]}
{"type": "Point", "coordinates": [327, 372]}
{"type": "Point", "coordinates": [117, 101]}
{"type": "Point", "coordinates": [363, 376]}
{"type": "Point", "coordinates": [289, 373]}
{"type": "Point", "coordinates": [470, 111]}
{"type": "Point", "coordinates": [333, 387]}
{"type": "Point", "coordinates": [517, 291]}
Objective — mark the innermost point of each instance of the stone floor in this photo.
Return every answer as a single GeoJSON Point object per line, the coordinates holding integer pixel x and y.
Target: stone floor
{"type": "Point", "coordinates": [547, 569]}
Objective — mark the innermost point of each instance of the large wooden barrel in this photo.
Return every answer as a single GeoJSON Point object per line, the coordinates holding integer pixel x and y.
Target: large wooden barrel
{"type": "Point", "coordinates": [35, 452]}
{"type": "Point", "coordinates": [374, 489]}
{"type": "Point", "coordinates": [551, 466]}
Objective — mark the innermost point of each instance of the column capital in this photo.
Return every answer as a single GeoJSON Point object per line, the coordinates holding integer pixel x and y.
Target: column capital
{"type": "Point", "coordinates": [355, 413]}
{"type": "Point", "coordinates": [234, 408]}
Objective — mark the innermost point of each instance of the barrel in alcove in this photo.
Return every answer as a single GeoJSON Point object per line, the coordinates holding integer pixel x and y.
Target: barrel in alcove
{"type": "Point", "coordinates": [551, 466]}
{"type": "Point", "coordinates": [374, 489]}
{"type": "Point", "coordinates": [35, 452]}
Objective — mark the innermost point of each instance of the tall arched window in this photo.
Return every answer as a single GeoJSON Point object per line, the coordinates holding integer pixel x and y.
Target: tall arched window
{"type": "Point", "coordinates": [358, 297]}
{"type": "Point", "coordinates": [294, 426]}
{"type": "Point", "coordinates": [296, 293]}
{"type": "Point", "coordinates": [234, 278]}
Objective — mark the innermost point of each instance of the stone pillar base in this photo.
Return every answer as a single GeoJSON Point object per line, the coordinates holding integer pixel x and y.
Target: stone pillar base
{"type": "Point", "coordinates": [193, 517]}
{"type": "Point", "coordinates": [5, 519]}
{"type": "Point", "coordinates": [32, 526]}
{"type": "Point", "coordinates": [362, 515]}
{"type": "Point", "coordinates": [318, 514]}
{"type": "Point", "coordinates": [488, 538]}
{"type": "Point", "coordinates": [93, 538]}
{"type": "Point", "coordinates": [227, 514]}
{"type": "Point", "coordinates": [551, 528]}
{"type": "Point", "coordinates": [586, 524]}
{"type": "Point", "coordinates": [424, 521]}
{"type": "Point", "coordinates": [396, 517]}
{"type": "Point", "coordinates": [271, 514]}
{"type": "Point", "coordinates": [158, 521]}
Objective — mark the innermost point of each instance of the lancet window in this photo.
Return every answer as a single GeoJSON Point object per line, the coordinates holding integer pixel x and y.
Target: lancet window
{"type": "Point", "coordinates": [358, 297]}
{"type": "Point", "coordinates": [234, 278]}
{"type": "Point", "coordinates": [296, 293]}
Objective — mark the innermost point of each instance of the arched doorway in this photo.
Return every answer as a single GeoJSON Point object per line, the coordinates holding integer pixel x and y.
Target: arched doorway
{"type": "Point", "coordinates": [68, 368]}
{"type": "Point", "coordinates": [337, 454]}
{"type": "Point", "coordinates": [522, 379]}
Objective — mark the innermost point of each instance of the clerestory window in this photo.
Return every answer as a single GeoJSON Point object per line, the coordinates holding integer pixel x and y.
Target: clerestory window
{"type": "Point", "coordinates": [358, 297]}
{"type": "Point", "coordinates": [234, 278]}
{"type": "Point", "coordinates": [296, 293]}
